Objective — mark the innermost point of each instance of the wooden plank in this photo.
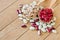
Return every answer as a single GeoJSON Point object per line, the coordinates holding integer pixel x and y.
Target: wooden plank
{"type": "Point", "coordinates": [13, 37]}
{"type": "Point", "coordinates": [58, 2]}
{"type": "Point", "coordinates": [12, 28]}
{"type": "Point", "coordinates": [47, 3]}
{"type": "Point", "coordinates": [12, 31]}
{"type": "Point", "coordinates": [31, 35]}
{"type": "Point", "coordinates": [6, 3]}
{"type": "Point", "coordinates": [53, 36]}
{"type": "Point", "coordinates": [56, 13]}
{"type": "Point", "coordinates": [8, 15]}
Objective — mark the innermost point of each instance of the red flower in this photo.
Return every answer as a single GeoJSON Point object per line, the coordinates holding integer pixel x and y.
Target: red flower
{"type": "Point", "coordinates": [46, 14]}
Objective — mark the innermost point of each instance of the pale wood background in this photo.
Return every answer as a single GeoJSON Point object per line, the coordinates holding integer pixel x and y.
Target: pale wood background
{"type": "Point", "coordinates": [10, 24]}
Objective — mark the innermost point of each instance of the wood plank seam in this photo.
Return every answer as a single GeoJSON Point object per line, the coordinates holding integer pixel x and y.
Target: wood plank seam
{"type": "Point", "coordinates": [5, 9]}
{"type": "Point", "coordinates": [56, 27]}
{"type": "Point", "coordinates": [48, 34]}
{"type": "Point", "coordinates": [13, 29]}
{"type": "Point", "coordinates": [8, 24]}
{"type": "Point", "coordinates": [51, 33]}
{"type": "Point", "coordinates": [22, 34]}
{"type": "Point", "coordinates": [56, 5]}
{"type": "Point", "coordinates": [8, 6]}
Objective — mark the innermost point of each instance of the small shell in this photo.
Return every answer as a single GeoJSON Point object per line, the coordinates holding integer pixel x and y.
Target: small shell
{"type": "Point", "coordinates": [25, 11]}
{"type": "Point", "coordinates": [44, 26]}
{"type": "Point", "coordinates": [25, 21]}
{"type": "Point", "coordinates": [24, 16]}
{"type": "Point", "coordinates": [54, 31]}
{"type": "Point", "coordinates": [32, 28]}
{"type": "Point", "coordinates": [39, 32]}
{"type": "Point", "coordinates": [25, 6]}
{"type": "Point", "coordinates": [49, 25]}
{"type": "Point", "coordinates": [40, 27]}
{"type": "Point", "coordinates": [37, 23]}
{"type": "Point", "coordinates": [33, 4]}
{"type": "Point", "coordinates": [30, 9]}
{"type": "Point", "coordinates": [53, 23]}
{"type": "Point", "coordinates": [41, 23]}
{"type": "Point", "coordinates": [20, 18]}
{"type": "Point", "coordinates": [41, 1]}
{"type": "Point", "coordinates": [35, 10]}
{"type": "Point", "coordinates": [43, 29]}
{"type": "Point", "coordinates": [20, 15]}
{"type": "Point", "coordinates": [31, 20]}
{"type": "Point", "coordinates": [41, 7]}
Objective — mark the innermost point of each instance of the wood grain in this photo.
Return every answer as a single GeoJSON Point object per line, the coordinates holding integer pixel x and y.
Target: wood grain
{"type": "Point", "coordinates": [32, 35]}
{"type": "Point", "coordinates": [6, 3]}
{"type": "Point", "coordinates": [11, 25]}
{"type": "Point", "coordinates": [12, 31]}
{"type": "Point", "coordinates": [8, 16]}
{"type": "Point", "coordinates": [53, 36]}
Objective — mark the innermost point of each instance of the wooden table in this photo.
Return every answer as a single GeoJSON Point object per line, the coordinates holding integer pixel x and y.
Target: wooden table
{"type": "Point", "coordinates": [10, 25]}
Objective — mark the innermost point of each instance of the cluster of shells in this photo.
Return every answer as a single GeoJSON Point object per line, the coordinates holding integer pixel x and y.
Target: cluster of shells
{"type": "Point", "coordinates": [28, 13]}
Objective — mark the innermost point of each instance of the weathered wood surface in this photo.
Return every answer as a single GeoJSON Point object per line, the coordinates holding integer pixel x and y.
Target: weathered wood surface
{"type": "Point", "coordinates": [10, 25]}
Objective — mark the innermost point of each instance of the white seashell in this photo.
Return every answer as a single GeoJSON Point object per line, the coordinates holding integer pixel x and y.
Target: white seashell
{"type": "Point", "coordinates": [25, 11]}
{"type": "Point", "coordinates": [30, 9]}
{"type": "Point", "coordinates": [24, 16]}
{"type": "Point", "coordinates": [49, 25]}
{"type": "Point", "coordinates": [25, 6]}
{"type": "Point", "coordinates": [43, 29]}
{"type": "Point", "coordinates": [41, 7]}
{"type": "Point", "coordinates": [25, 21]}
{"type": "Point", "coordinates": [41, 23]}
{"type": "Point", "coordinates": [53, 23]}
{"type": "Point", "coordinates": [39, 32]}
{"type": "Point", "coordinates": [54, 31]}
{"type": "Point", "coordinates": [20, 15]}
{"type": "Point", "coordinates": [41, 1]}
{"type": "Point", "coordinates": [32, 28]}
{"type": "Point", "coordinates": [31, 20]}
{"type": "Point", "coordinates": [40, 27]}
{"type": "Point", "coordinates": [20, 18]}
{"type": "Point", "coordinates": [54, 18]}
{"type": "Point", "coordinates": [34, 3]}
{"type": "Point", "coordinates": [44, 26]}
{"type": "Point", "coordinates": [37, 23]}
